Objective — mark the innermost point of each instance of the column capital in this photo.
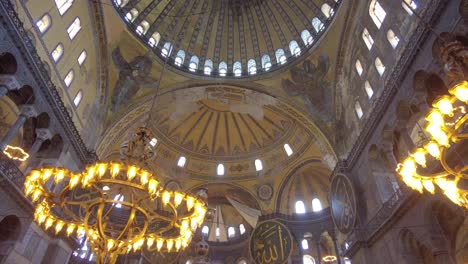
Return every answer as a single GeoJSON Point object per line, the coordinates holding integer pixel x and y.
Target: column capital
{"type": "Point", "coordinates": [9, 81]}
{"type": "Point", "coordinates": [43, 134]}
{"type": "Point", "coordinates": [28, 110]}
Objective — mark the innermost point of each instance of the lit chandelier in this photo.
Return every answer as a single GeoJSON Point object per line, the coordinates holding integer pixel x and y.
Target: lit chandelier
{"type": "Point", "coordinates": [446, 127]}
{"type": "Point", "coordinates": [120, 207]}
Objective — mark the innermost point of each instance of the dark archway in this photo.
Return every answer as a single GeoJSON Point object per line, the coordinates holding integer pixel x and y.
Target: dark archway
{"type": "Point", "coordinates": [10, 229]}
{"type": "Point", "coordinates": [8, 64]}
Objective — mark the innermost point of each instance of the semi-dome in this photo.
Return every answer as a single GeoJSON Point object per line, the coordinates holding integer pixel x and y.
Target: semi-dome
{"type": "Point", "coordinates": [228, 38]}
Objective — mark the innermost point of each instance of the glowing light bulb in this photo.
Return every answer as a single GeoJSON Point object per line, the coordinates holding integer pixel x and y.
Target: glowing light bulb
{"type": "Point", "coordinates": [28, 190]}
{"type": "Point", "coordinates": [110, 244]}
{"type": "Point", "coordinates": [152, 186]}
{"type": "Point", "coordinates": [41, 218]}
{"type": "Point", "coordinates": [80, 230]}
{"type": "Point", "coordinates": [178, 244]}
{"type": "Point", "coordinates": [91, 172]}
{"type": "Point", "coordinates": [150, 241]}
{"type": "Point", "coordinates": [59, 175]}
{"type": "Point", "coordinates": [131, 173]}
{"type": "Point", "coordinates": [460, 91]}
{"type": "Point", "coordinates": [46, 173]}
{"type": "Point", "coordinates": [444, 105]}
{"type": "Point", "coordinates": [70, 229]}
{"type": "Point", "coordinates": [420, 157]}
{"type": "Point", "coordinates": [178, 198]}
{"type": "Point", "coordinates": [184, 226]}
{"type": "Point", "coordinates": [190, 202]}
{"type": "Point", "coordinates": [144, 177]}
{"type": "Point", "coordinates": [36, 195]}
{"type": "Point", "coordinates": [49, 222]}
{"type": "Point", "coordinates": [169, 244]}
{"type": "Point", "coordinates": [408, 169]}
{"type": "Point", "coordinates": [35, 174]}
{"type": "Point", "coordinates": [435, 117]}
{"type": "Point", "coordinates": [58, 226]}
{"type": "Point", "coordinates": [74, 180]}
{"type": "Point", "coordinates": [115, 170]}
{"type": "Point", "coordinates": [433, 149]}
{"type": "Point", "coordinates": [429, 186]}
{"type": "Point", "coordinates": [159, 244]}
{"type": "Point", "coordinates": [166, 197]}
{"type": "Point", "coordinates": [101, 169]}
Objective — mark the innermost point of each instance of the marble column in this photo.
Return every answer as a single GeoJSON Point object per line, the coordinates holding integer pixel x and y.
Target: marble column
{"type": "Point", "coordinates": [26, 112]}
{"type": "Point", "coordinates": [42, 134]}
{"type": "Point", "coordinates": [3, 90]}
{"type": "Point", "coordinates": [335, 244]}
{"type": "Point", "coordinates": [7, 83]}
{"type": "Point", "coordinates": [319, 253]}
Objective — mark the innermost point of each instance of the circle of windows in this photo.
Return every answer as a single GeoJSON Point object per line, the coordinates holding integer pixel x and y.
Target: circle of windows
{"type": "Point", "coordinates": [193, 64]}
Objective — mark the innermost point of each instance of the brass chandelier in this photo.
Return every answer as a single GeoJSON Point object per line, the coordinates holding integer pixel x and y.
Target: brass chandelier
{"type": "Point", "coordinates": [447, 128]}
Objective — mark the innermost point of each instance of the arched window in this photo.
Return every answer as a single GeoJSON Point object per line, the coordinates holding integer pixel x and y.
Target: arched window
{"type": "Point", "coordinates": [131, 15]}
{"type": "Point", "coordinates": [63, 5]}
{"type": "Point", "coordinates": [208, 67]}
{"type": "Point", "coordinates": [294, 48]}
{"type": "Point", "coordinates": [358, 108]}
{"type": "Point", "coordinates": [180, 57]}
{"type": "Point", "coordinates": [377, 13]}
{"type": "Point", "coordinates": [258, 165]}
{"type": "Point", "coordinates": [367, 38]}
{"type": "Point", "coordinates": [237, 68]}
{"type": "Point", "coordinates": [316, 205]}
{"type": "Point", "coordinates": [242, 262]}
{"type": "Point", "coordinates": [193, 65]}
{"type": "Point", "coordinates": [359, 68]}
{"type": "Point", "coordinates": [308, 259]}
{"type": "Point", "coordinates": [241, 229]}
{"type": "Point", "coordinates": [409, 6]}
{"type": "Point", "coordinates": [205, 230]}
{"type": "Point", "coordinates": [121, 3]}
{"type": "Point", "coordinates": [166, 50]}
{"type": "Point", "coordinates": [300, 207]}
{"type": "Point", "coordinates": [305, 244]}
{"type": "Point", "coordinates": [69, 78]}
{"type": "Point", "coordinates": [153, 142]}
{"type": "Point", "coordinates": [347, 261]}
{"type": "Point", "coordinates": [119, 197]}
{"type": "Point", "coordinates": [392, 38]}
{"type": "Point", "coordinates": [327, 10]}
{"type": "Point", "coordinates": [220, 169]}
{"type": "Point", "coordinates": [307, 37]}
{"type": "Point", "coordinates": [74, 28]}
{"type": "Point", "coordinates": [142, 28]}
{"type": "Point", "coordinates": [222, 68]}
{"type": "Point", "coordinates": [154, 39]}
{"type": "Point", "coordinates": [369, 90]}
{"type": "Point", "coordinates": [317, 24]}
{"type": "Point", "coordinates": [252, 67]}
{"type": "Point", "coordinates": [217, 232]}
{"type": "Point", "coordinates": [379, 66]}
{"type": "Point", "coordinates": [181, 162]}
{"type": "Point", "coordinates": [280, 56]}
{"type": "Point", "coordinates": [78, 97]}
{"type": "Point", "coordinates": [266, 62]}
{"type": "Point", "coordinates": [231, 232]}
{"type": "Point", "coordinates": [288, 149]}
{"type": "Point", "coordinates": [57, 52]}
{"type": "Point", "coordinates": [82, 57]}
{"type": "Point", "coordinates": [44, 23]}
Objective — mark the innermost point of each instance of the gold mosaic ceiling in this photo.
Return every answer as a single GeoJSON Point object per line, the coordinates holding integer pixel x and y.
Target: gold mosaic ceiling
{"type": "Point", "coordinates": [200, 36]}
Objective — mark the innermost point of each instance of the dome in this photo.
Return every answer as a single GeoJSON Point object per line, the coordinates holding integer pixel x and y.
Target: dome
{"type": "Point", "coordinates": [227, 38]}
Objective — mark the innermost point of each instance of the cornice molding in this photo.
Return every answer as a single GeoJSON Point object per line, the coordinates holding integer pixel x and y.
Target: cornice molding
{"type": "Point", "coordinates": [33, 62]}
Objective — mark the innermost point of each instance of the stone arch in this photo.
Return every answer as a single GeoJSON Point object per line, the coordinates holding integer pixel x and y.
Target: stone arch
{"type": "Point", "coordinates": [412, 250]}
{"type": "Point", "coordinates": [382, 175]}
{"type": "Point", "coordinates": [43, 120]}
{"type": "Point", "coordinates": [10, 231]}
{"type": "Point", "coordinates": [435, 87]}
{"type": "Point", "coordinates": [51, 148]}
{"type": "Point", "coordinates": [8, 64]}
{"type": "Point", "coordinates": [24, 95]}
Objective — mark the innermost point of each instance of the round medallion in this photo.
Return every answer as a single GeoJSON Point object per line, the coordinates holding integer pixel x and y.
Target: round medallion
{"type": "Point", "coordinates": [265, 192]}
{"type": "Point", "coordinates": [270, 243]}
{"type": "Point", "coordinates": [343, 203]}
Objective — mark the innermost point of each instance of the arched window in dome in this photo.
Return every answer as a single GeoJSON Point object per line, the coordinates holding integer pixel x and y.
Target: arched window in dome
{"type": "Point", "coordinates": [294, 48]}
{"type": "Point", "coordinates": [242, 261]}
{"type": "Point", "coordinates": [347, 261]}
{"type": "Point", "coordinates": [205, 230]}
{"type": "Point", "coordinates": [307, 37]}
{"type": "Point", "coordinates": [63, 5]}
{"type": "Point", "coordinates": [409, 6]}
{"type": "Point", "coordinates": [359, 68]}
{"type": "Point", "coordinates": [300, 207]}
{"type": "Point", "coordinates": [69, 78]}
{"type": "Point", "coordinates": [237, 68]}
{"type": "Point", "coordinates": [57, 52]}
{"type": "Point", "coordinates": [166, 50]}
{"type": "Point", "coordinates": [131, 15]}
{"type": "Point", "coordinates": [367, 39]}
{"type": "Point", "coordinates": [180, 58]}
{"type": "Point", "coordinates": [153, 142]}
{"type": "Point", "coordinates": [78, 97]}
{"type": "Point", "coordinates": [317, 24]}
{"type": "Point", "coordinates": [208, 67]}
{"type": "Point", "coordinates": [181, 162]}
{"type": "Point", "coordinates": [377, 13]}
{"type": "Point", "coordinates": [258, 165]}
{"type": "Point", "coordinates": [121, 3]}
{"type": "Point", "coordinates": [119, 197]}
{"type": "Point", "coordinates": [305, 244]}
{"type": "Point", "coordinates": [327, 10]}
{"type": "Point", "coordinates": [220, 169]}
{"type": "Point", "coordinates": [280, 56]}
{"type": "Point", "coordinates": [252, 67]}
{"type": "Point", "coordinates": [44, 23]}
{"type": "Point", "coordinates": [308, 259]}
{"type": "Point", "coordinates": [369, 90]}
{"type": "Point", "coordinates": [154, 39]}
{"type": "Point", "coordinates": [142, 28]}
{"type": "Point", "coordinates": [193, 65]}
{"type": "Point", "coordinates": [288, 149]}
{"type": "Point", "coordinates": [316, 205]}
{"type": "Point", "coordinates": [266, 62]}
{"type": "Point", "coordinates": [379, 66]}
{"type": "Point", "coordinates": [241, 229]}
{"type": "Point", "coordinates": [74, 28]}
{"type": "Point", "coordinates": [222, 68]}
{"type": "Point", "coordinates": [231, 232]}
{"type": "Point", "coordinates": [393, 38]}
{"type": "Point", "coordinates": [82, 57]}
{"type": "Point", "coordinates": [358, 109]}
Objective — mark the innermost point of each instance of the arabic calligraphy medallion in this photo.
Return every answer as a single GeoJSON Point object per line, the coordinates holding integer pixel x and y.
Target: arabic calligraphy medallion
{"type": "Point", "coordinates": [271, 243]}
{"type": "Point", "coordinates": [343, 203]}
